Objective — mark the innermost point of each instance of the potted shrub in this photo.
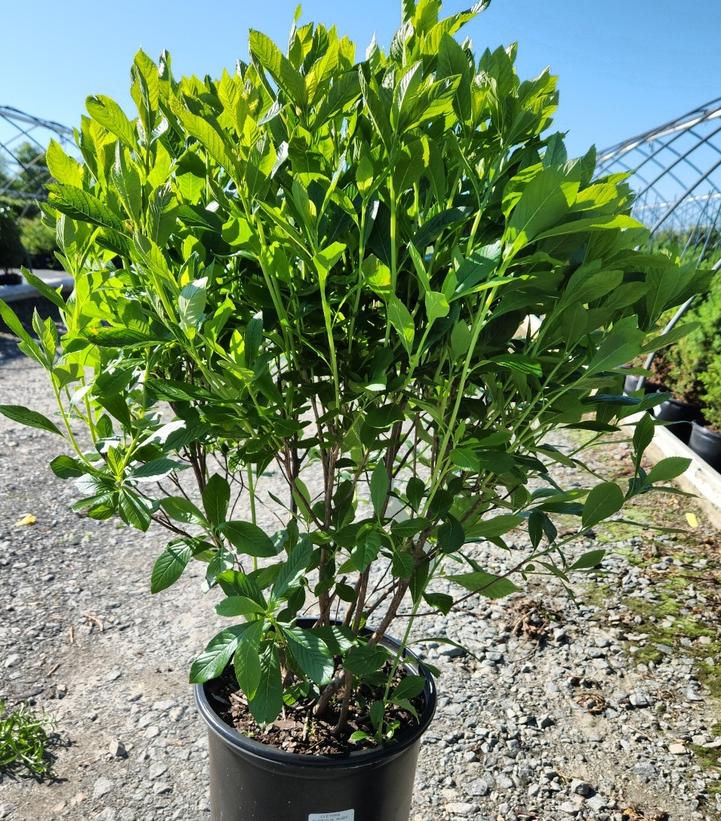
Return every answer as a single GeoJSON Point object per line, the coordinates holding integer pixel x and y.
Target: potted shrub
{"type": "Point", "coordinates": [326, 265]}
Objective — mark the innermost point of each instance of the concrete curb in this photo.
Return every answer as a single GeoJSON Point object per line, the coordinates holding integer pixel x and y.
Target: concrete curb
{"type": "Point", "coordinates": [700, 479]}
{"type": "Point", "coordinates": [55, 279]}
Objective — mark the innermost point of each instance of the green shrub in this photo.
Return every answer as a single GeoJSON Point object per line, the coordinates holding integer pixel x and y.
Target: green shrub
{"type": "Point", "coordinates": [38, 239]}
{"type": "Point", "coordinates": [695, 362]}
{"type": "Point", "coordinates": [323, 264]}
{"type": "Point", "coordinates": [24, 742]}
{"type": "Point", "coordinates": [12, 253]}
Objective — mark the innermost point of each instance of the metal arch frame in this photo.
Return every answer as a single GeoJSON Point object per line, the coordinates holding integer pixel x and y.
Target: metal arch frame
{"type": "Point", "coordinates": [657, 141]}
{"type": "Point", "coordinates": [694, 210]}
{"type": "Point", "coordinates": [24, 124]}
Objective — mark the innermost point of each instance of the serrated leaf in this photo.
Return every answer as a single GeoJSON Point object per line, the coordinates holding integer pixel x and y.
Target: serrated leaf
{"type": "Point", "coordinates": [296, 563]}
{"type": "Point", "coordinates": [249, 539]}
{"type": "Point", "coordinates": [111, 116]}
{"type": "Point", "coordinates": [409, 687]}
{"type": "Point", "coordinates": [365, 659]}
{"type": "Point", "coordinates": [81, 205]}
{"type": "Point", "coordinates": [169, 566]}
{"type": "Point", "coordinates": [268, 699]}
{"type": "Point", "coordinates": [216, 497]}
{"type": "Point", "coordinates": [246, 660]}
{"type": "Point", "coordinates": [65, 467]}
{"type": "Point", "coordinates": [157, 469]}
{"type": "Point", "coordinates": [238, 606]}
{"type": "Point", "coordinates": [310, 653]}
{"type": "Point", "coordinates": [214, 659]}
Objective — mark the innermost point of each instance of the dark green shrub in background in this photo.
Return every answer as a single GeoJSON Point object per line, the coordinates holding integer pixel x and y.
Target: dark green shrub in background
{"type": "Point", "coordinates": [326, 266]}
{"type": "Point", "coordinates": [12, 253]}
{"type": "Point", "coordinates": [38, 239]}
{"type": "Point", "coordinates": [695, 362]}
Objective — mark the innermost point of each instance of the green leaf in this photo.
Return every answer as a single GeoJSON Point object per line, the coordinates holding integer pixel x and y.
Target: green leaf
{"type": "Point", "coordinates": [249, 539]}
{"type": "Point", "coordinates": [62, 167]}
{"type": "Point", "coordinates": [214, 659]}
{"type": "Point", "coordinates": [265, 51]}
{"type": "Point", "coordinates": [414, 492]}
{"type": "Point", "coordinates": [216, 497]}
{"type": "Point", "coordinates": [182, 510]}
{"type": "Point", "coordinates": [169, 566]}
{"type": "Point", "coordinates": [364, 553]}
{"type": "Point", "coordinates": [603, 501]}
{"type": "Point", "coordinates": [51, 294]}
{"type": "Point", "coordinates": [236, 583]}
{"type": "Point", "coordinates": [238, 606]}
{"type": "Point", "coordinates": [67, 468]}
{"type": "Point", "coordinates": [191, 304]}
{"type": "Point", "coordinates": [268, 699]}
{"type": "Point", "coordinates": [110, 115]}
{"type": "Point", "coordinates": [668, 469]}
{"type": "Point", "coordinates": [402, 321]}
{"type": "Point", "coordinates": [81, 205]}
{"type": "Point", "coordinates": [488, 585]}
{"type": "Point", "coordinates": [543, 202]}
{"type": "Point", "coordinates": [208, 135]}
{"type": "Point", "coordinates": [588, 560]}
{"type": "Point", "coordinates": [439, 601]}
{"type": "Point", "coordinates": [590, 224]}
{"type": "Point", "coordinates": [157, 469]}
{"type": "Point", "coordinates": [28, 344]}
{"type": "Point", "coordinates": [310, 653]}
{"type": "Point", "coordinates": [436, 306]}
{"type": "Point", "coordinates": [409, 687]}
{"type": "Point", "coordinates": [619, 346]}
{"type": "Point", "coordinates": [377, 712]}
{"type": "Point", "coordinates": [29, 418]}
{"type": "Point", "coordinates": [296, 563]}
{"type": "Point", "coordinates": [246, 660]}
{"type": "Point", "coordinates": [379, 488]}
{"type": "Point", "coordinates": [365, 659]}
{"type": "Point", "coordinates": [495, 527]}
{"type": "Point", "coordinates": [642, 436]}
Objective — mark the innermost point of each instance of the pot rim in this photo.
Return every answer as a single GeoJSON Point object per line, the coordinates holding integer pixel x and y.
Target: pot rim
{"type": "Point", "coordinates": [704, 430]}
{"type": "Point", "coordinates": [268, 753]}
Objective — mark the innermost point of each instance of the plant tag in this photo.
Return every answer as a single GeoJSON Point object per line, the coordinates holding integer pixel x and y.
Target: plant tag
{"type": "Point", "coordinates": [342, 815]}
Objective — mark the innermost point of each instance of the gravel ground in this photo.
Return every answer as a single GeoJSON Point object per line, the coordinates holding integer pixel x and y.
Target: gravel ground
{"type": "Point", "coordinates": [602, 708]}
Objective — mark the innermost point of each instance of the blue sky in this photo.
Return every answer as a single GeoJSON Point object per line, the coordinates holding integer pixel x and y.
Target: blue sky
{"type": "Point", "coordinates": [624, 65]}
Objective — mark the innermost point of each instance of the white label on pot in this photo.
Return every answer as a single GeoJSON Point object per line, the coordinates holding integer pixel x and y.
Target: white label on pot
{"type": "Point", "coordinates": [343, 815]}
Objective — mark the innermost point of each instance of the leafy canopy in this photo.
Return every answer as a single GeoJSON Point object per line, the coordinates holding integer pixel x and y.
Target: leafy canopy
{"type": "Point", "coordinates": [384, 269]}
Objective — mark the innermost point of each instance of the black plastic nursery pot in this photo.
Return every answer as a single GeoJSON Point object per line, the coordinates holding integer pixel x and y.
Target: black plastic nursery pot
{"type": "Point", "coordinates": [706, 443]}
{"type": "Point", "coordinates": [680, 417]}
{"type": "Point", "coordinates": [251, 781]}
